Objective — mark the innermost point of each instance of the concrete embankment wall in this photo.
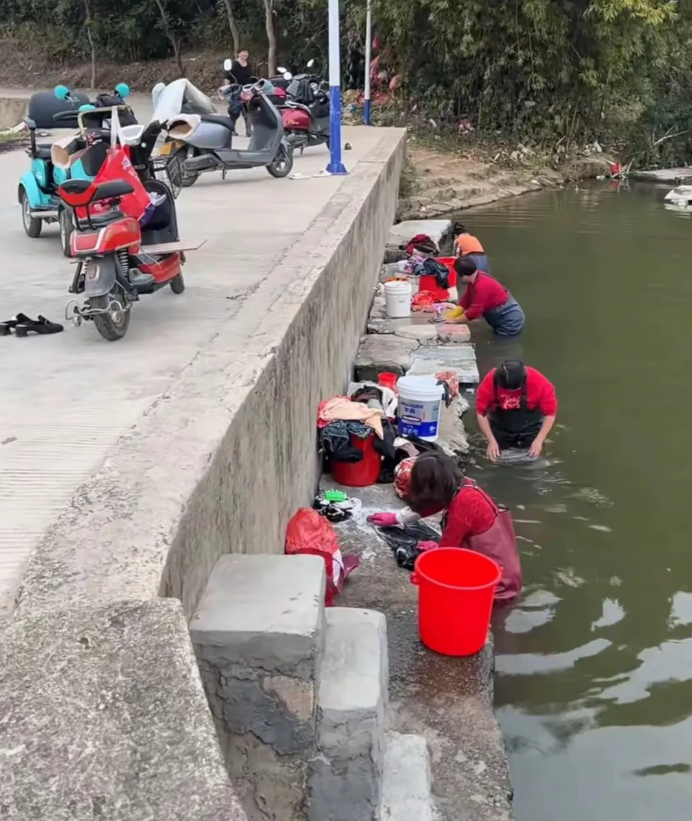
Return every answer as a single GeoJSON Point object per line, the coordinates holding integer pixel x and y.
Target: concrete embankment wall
{"type": "Point", "coordinates": [12, 111]}
{"type": "Point", "coordinates": [217, 465]}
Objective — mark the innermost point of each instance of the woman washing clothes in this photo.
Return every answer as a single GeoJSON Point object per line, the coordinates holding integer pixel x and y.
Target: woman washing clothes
{"type": "Point", "coordinates": [466, 245]}
{"type": "Point", "coordinates": [472, 518]}
{"type": "Point", "coordinates": [486, 297]}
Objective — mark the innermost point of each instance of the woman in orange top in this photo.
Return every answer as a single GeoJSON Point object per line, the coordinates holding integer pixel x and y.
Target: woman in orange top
{"type": "Point", "coordinates": [466, 245]}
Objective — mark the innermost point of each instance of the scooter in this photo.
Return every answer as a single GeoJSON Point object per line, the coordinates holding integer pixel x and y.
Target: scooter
{"type": "Point", "coordinates": [38, 187]}
{"type": "Point", "coordinates": [209, 139]}
{"type": "Point", "coordinates": [305, 112]}
{"type": "Point", "coordinates": [118, 259]}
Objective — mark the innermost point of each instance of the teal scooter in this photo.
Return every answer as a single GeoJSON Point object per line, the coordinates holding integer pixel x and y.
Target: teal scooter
{"type": "Point", "coordinates": [38, 187]}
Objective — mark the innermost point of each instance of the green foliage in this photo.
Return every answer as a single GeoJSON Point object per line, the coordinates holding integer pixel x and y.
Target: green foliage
{"type": "Point", "coordinates": [541, 71]}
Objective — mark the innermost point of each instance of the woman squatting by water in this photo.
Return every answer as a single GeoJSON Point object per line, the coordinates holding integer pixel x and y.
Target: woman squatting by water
{"type": "Point", "coordinates": [472, 519]}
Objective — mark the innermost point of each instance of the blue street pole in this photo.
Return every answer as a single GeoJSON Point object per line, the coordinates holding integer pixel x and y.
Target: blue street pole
{"type": "Point", "coordinates": [335, 165]}
{"type": "Point", "coordinates": [368, 60]}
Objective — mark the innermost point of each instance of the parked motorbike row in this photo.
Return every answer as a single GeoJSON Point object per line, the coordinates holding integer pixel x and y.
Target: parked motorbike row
{"type": "Point", "coordinates": [112, 186]}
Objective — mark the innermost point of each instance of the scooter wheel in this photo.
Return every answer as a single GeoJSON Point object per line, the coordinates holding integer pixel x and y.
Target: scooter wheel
{"type": "Point", "coordinates": [66, 229]}
{"type": "Point", "coordinates": [282, 165]}
{"type": "Point", "coordinates": [177, 284]}
{"type": "Point", "coordinates": [32, 226]}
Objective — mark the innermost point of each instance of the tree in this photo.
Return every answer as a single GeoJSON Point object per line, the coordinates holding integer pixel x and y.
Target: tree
{"type": "Point", "coordinates": [168, 27]}
{"type": "Point", "coordinates": [271, 36]}
{"type": "Point", "coordinates": [232, 25]}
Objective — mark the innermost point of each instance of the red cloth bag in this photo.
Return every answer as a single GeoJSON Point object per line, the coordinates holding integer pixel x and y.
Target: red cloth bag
{"type": "Point", "coordinates": [310, 534]}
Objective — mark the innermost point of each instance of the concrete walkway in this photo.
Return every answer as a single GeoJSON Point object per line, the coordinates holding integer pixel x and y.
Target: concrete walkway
{"type": "Point", "coordinates": [68, 398]}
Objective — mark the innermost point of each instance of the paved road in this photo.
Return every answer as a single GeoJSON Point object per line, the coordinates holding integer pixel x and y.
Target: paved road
{"type": "Point", "coordinates": [66, 399]}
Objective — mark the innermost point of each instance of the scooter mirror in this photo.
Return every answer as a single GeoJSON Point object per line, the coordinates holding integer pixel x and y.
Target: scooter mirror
{"type": "Point", "coordinates": [310, 63]}
{"type": "Point", "coordinates": [227, 65]}
{"type": "Point", "coordinates": [287, 75]}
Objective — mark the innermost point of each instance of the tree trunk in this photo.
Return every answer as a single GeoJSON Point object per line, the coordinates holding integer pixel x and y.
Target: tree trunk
{"type": "Point", "coordinates": [233, 26]}
{"type": "Point", "coordinates": [172, 38]}
{"type": "Point", "coordinates": [92, 45]}
{"type": "Point", "coordinates": [271, 36]}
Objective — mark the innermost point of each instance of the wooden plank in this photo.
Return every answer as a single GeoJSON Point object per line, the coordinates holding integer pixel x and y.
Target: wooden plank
{"type": "Point", "coordinates": [172, 247]}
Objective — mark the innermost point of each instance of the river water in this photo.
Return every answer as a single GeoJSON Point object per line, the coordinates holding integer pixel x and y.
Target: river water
{"type": "Point", "coordinates": [594, 686]}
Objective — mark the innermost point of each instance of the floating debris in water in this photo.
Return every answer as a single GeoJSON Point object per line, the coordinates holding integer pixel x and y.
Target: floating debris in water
{"type": "Point", "coordinates": [601, 528]}
{"type": "Point", "coordinates": [581, 519]}
{"type": "Point", "coordinates": [527, 522]}
{"type": "Point", "coordinates": [593, 495]}
{"type": "Point", "coordinates": [557, 508]}
{"type": "Point", "coordinates": [568, 577]}
{"type": "Point", "coordinates": [615, 581]}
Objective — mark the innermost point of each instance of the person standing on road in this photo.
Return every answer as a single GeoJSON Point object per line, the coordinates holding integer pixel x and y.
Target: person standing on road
{"type": "Point", "coordinates": [242, 71]}
{"type": "Point", "coordinates": [516, 407]}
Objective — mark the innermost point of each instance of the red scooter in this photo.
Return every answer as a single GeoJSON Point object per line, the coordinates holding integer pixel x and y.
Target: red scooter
{"type": "Point", "coordinates": [305, 113]}
{"type": "Point", "coordinates": [117, 258]}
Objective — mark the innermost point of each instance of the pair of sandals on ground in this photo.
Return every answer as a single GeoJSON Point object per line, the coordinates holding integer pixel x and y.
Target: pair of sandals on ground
{"type": "Point", "coordinates": [23, 325]}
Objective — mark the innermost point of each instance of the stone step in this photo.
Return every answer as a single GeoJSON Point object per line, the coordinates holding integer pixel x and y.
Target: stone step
{"type": "Point", "coordinates": [461, 359]}
{"type": "Point", "coordinates": [406, 784]}
{"type": "Point", "coordinates": [346, 779]}
{"type": "Point", "coordinates": [258, 634]}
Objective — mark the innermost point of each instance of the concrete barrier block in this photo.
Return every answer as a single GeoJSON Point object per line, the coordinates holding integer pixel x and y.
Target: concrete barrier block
{"type": "Point", "coordinates": [380, 353]}
{"type": "Point", "coordinates": [258, 634]}
{"type": "Point", "coordinates": [450, 334]}
{"type": "Point", "coordinates": [345, 779]}
{"type": "Point", "coordinates": [104, 716]}
{"type": "Point", "coordinates": [406, 785]}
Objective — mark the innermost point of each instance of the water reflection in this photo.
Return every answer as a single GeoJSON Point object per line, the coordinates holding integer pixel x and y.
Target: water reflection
{"type": "Point", "coordinates": [594, 667]}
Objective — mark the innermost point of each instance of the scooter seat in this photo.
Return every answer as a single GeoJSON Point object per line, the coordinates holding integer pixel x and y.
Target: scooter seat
{"type": "Point", "coordinates": [219, 119]}
{"type": "Point", "coordinates": [43, 151]}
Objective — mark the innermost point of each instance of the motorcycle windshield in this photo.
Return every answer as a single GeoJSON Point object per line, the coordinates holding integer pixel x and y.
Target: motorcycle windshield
{"type": "Point", "coordinates": [170, 100]}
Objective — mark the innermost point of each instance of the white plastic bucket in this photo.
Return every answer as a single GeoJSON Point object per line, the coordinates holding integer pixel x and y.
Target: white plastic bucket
{"type": "Point", "coordinates": [420, 406]}
{"type": "Point", "coordinates": [397, 295]}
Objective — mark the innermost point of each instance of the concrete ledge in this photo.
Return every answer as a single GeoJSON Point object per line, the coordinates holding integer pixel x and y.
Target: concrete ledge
{"type": "Point", "coordinates": [406, 786]}
{"type": "Point", "coordinates": [93, 701]}
{"type": "Point", "coordinates": [346, 778]}
{"type": "Point", "coordinates": [227, 454]}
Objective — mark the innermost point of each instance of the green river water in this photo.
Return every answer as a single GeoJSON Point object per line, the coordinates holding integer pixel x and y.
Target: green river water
{"type": "Point", "coordinates": [594, 685]}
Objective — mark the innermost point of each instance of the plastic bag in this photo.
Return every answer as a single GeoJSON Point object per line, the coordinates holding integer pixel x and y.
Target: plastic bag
{"type": "Point", "coordinates": [308, 533]}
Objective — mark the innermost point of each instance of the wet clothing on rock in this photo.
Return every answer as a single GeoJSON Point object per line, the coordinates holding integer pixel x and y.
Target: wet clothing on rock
{"type": "Point", "coordinates": [516, 416]}
{"type": "Point", "coordinates": [405, 541]}
{"type": "Point", "coordinates": [490, 299]}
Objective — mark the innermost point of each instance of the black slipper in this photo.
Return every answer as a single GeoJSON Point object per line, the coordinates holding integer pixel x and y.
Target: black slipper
{"type": "Point", "coordinates": [41, 326]}
{"type": "Point", "coordinates": [21, 319]}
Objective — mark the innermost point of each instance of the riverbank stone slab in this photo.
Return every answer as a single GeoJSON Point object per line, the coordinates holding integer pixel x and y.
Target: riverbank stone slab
{"type": "Point", "coordinates": [383, 353]}
{"type": "Point", "coordinates": [460, 359]}
{"type": "Point", "coordinates": [91, 699]}
{"type": "Point", "coordinates": [406, 786]}
{"type": "Point", "coordinates": [346, 778]}
{"type": "Point", "coordinates": [446, 700]}
{"type": "Point", "coordinates": [449, 334]}
{"type": "Point", "coordinates": [400, 234]}
{"type": "Point", "coordinates": [258, 636]}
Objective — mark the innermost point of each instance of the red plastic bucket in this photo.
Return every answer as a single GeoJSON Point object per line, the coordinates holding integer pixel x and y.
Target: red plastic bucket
{"type": "Point", "coordinates": [388, 380]}
{"type": "Point", "coordinates": [363, 473]}
{"type": "Point", "coordinates": [455, 602]}
{"type": "Point", "coordinates": [429, 283]}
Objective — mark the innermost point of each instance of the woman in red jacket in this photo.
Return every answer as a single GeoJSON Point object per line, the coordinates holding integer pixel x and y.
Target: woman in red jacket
{"type": "Point", "coordinates": [472, 518]}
